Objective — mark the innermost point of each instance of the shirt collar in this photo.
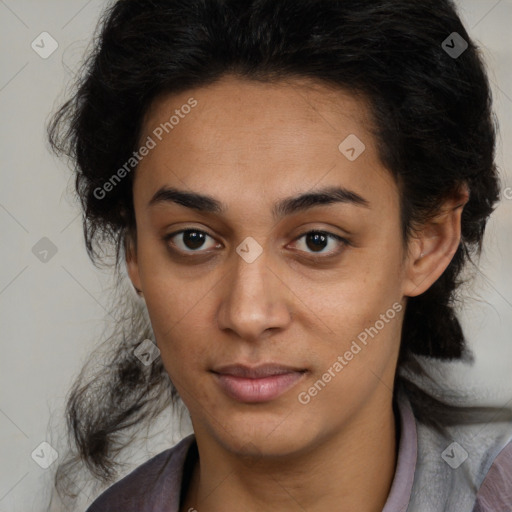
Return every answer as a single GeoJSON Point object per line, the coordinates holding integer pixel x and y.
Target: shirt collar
{"type": "Point", "coordinates": [401, 488]}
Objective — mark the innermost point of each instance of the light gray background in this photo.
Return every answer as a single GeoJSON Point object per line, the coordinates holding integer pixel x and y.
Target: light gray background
{"type": "Point", "coordinates": [52, 313]}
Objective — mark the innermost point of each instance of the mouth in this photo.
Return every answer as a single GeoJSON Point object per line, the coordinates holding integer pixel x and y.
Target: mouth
{"type": "Point", "coordinates": [260, 383]}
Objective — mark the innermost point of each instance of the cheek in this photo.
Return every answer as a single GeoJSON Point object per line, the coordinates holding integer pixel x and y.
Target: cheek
{"type": "Point", "coordinates": [181, 323]}
{"type": "Point", "coordinates": [170, 293]}
{"type": "Point", "coordinates": [175, 315]}
{"type": "Point", "coordinates": [363, 314]}
{"type": "Point", "coordinates": [369, 286]}
{"type": "Point", "coordinates": [171, 305]}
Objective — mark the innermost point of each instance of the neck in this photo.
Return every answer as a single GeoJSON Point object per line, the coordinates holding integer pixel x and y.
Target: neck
{"type": "Point", "coordinates": [351, 471]}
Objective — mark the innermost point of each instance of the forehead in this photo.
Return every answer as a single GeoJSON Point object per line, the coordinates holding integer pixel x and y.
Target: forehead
{"type": "Point", "coordinates": [259, 138]}
{"type": "Point", "coordinates": [299, 105]}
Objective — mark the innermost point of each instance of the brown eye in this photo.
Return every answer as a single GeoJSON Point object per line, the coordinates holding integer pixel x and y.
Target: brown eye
{"type": "Point", "coordinates": [188, 240]}
{"type": "Point", "coordinates": [316, 241]}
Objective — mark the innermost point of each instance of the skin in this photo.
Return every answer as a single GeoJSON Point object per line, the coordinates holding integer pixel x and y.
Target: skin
{"type": "Point", "coordinates": [249, 145]}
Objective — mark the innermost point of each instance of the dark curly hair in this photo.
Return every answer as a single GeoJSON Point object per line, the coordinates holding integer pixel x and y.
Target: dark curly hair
{"type": "Point", "coordinates": [435, 131]}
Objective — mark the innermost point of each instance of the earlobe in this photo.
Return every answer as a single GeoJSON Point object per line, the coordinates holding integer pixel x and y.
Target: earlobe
{"type": "Point", "coordinates": [434, 246]}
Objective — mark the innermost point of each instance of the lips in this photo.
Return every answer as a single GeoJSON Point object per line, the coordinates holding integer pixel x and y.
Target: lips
{"type": "Point", "coordinates": [260, 383]}
{"type": "Point", "coordinates": [255, 372]}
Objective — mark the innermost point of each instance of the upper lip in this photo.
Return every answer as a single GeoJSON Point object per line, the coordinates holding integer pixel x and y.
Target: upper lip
{"type": "Point", "coordinates": [256, 372]}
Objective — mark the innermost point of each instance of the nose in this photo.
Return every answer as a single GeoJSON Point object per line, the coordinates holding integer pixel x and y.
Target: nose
{"type": "Point", "coordinates": [255, 299]}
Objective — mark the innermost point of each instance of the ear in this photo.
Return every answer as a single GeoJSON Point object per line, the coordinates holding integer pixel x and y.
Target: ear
{"type": "Point", "coordinates": [132, 266]}
{"type": "Point", "coordinates": [434, 245]}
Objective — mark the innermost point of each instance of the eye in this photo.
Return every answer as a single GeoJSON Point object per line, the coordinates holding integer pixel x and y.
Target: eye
{"type": "Point", "coordinates": [189, 240]}
{"type": "Point", "coordinates": [193, 240]}
{"type": "Point", "coordinates": [318, 240]}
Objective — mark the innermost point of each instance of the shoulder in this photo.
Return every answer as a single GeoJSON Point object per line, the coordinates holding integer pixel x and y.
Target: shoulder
{"type": "Point", "coordinates": [468, 465]}
{"type": "Point", "coordinates": [154, 485]}
{"type": "Point", "coordinates": [495, 493]}
{"type": "Point", "coordinates": [465, 453]}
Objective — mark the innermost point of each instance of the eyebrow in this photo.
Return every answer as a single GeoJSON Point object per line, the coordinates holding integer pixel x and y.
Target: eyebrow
{"type": "Point", "coordinates": [282, 208]}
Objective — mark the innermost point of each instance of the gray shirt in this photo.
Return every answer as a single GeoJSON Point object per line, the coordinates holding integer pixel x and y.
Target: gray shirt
{"type": "Point", "coordinates": [464, 467]}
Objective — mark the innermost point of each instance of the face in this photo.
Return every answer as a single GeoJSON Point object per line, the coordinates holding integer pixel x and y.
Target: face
{"type": "Point", "coordinates": [251, 277]}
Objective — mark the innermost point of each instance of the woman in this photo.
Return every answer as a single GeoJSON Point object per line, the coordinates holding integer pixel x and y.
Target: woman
{"type": "Point", "coordinates": [294, 188]}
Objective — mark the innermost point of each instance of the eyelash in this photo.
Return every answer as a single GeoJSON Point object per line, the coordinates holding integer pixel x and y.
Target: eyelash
{"type": "Point", "coordinates": [343, 242]}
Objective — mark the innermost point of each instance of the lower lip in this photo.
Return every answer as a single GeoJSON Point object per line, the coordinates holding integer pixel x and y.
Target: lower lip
{"type": "Point", "coordinates": [257, 390]}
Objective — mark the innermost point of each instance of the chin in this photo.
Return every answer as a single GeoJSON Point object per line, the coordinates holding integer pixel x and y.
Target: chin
{"type": "Point", "coordinates": [258, 433]}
